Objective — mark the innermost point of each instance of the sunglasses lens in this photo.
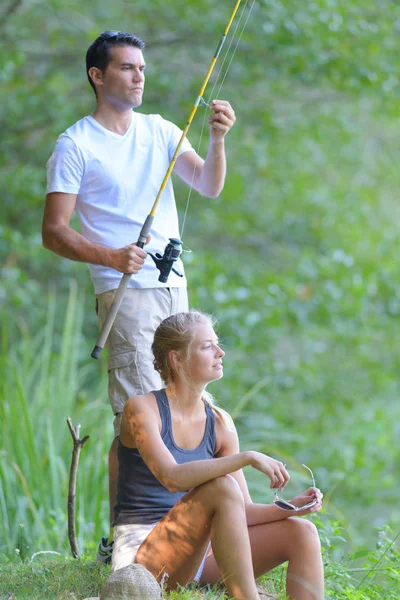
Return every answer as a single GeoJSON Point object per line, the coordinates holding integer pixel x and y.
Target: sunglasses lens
{"type": "Point", "coordinates": [287, 506]}
{"type": "Point", "coordinates": [282, 504]}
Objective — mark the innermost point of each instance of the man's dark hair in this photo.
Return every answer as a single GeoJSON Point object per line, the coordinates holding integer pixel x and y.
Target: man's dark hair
{"type": "Point", "coordinates": [99, 54]}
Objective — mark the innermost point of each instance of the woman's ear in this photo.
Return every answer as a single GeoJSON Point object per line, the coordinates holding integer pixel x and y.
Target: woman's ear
{"type": "Point", "coordinates": [174, 359]}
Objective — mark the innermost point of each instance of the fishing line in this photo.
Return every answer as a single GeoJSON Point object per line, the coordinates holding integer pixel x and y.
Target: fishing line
{"type": "Point", "coordinates": [207, 104]}
{"type": "Point", "coordinates": [165, 262]}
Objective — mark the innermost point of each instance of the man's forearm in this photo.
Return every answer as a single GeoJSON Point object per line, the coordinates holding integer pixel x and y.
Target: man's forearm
{"type": "Point", "coordinates": [212, 177]}
{"type": "Point", "coordinates": [68, 243]}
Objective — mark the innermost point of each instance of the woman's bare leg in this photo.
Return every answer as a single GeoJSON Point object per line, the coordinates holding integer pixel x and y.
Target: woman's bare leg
{"type": "Point", "coordinates": [177, 544]}
{"type": "Point", "coordinates": [294, 540]}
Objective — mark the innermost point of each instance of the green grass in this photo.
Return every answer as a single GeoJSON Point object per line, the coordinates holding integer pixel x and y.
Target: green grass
{"type": "Point", "coordinates": [46, 577]}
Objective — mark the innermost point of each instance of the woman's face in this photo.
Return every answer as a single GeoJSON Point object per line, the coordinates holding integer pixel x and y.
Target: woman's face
{"type": "Point", "coordinates": [204, 363]}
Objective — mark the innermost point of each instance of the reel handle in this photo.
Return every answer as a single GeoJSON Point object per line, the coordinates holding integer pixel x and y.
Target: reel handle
{"type": "Point", "coordinates": [165, 262]}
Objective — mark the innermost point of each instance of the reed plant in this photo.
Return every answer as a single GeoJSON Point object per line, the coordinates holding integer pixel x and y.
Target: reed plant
{"type": "Point", "coordinates": [42, 381]}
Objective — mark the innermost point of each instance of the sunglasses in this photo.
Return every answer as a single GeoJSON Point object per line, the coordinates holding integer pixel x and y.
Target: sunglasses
{"type": "Point", "coordinates": [287, 505]}
{"type": "Point", "coordinates": [107, 35]}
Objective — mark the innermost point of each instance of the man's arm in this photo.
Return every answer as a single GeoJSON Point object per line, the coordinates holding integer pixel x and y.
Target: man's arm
{"type": "Point", "coordinates": [59, 237]}
{"type": "Point", "coordinates": [208, 177]}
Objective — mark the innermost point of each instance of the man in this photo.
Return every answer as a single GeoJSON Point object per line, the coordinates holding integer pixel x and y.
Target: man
{"type": "Point", "coordinates": [109, 167]}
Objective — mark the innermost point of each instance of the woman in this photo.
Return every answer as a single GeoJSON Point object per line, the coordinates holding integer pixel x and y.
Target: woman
{"type": "Point", "coordinates": [181, 484]}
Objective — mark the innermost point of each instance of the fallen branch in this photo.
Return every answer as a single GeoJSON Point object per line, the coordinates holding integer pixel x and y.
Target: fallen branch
{"type": "Point", "coordinates": [78, 445]}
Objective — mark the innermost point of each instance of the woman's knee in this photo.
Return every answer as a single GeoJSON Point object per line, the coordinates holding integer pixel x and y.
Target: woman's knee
{"type": "Point", "coordinates": [305, 534]}
{"type": "Point", "coordinates": [222, 489]}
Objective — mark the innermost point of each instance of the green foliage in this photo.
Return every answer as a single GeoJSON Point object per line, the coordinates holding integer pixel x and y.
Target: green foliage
{"type": "Point", "coordinates": [362, 574]}
{"type": "Point", "coordinates": [40, 387]}
{"type": "Point", "coordinates": [296, 259]}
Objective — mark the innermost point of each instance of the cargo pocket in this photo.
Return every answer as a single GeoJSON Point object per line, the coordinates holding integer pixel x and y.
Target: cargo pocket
{"type": "Point", "coordinates": [123, 379]}
{"type": "Point", "coordinates": [130, 374]}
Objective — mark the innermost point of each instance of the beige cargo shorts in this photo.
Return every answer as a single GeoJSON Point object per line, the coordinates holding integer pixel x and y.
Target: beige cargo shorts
{"type": "Point", "coordinates": [130, 364]}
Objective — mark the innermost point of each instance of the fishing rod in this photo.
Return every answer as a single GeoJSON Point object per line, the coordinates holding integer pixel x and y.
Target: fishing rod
{"type": "Point", "coordinates": [172, 251]}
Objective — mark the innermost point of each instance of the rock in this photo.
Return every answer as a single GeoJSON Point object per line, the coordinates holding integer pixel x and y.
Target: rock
{"type": "Point", "coordinates": [134, 582]}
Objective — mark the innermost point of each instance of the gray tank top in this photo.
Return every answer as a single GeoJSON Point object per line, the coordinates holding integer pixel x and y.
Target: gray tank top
{"type": "Point", "coordinates": [141, 498]}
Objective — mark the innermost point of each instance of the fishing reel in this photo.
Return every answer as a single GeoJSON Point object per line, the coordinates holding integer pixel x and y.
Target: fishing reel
{"type": "Point", "coordinates": [164, 263]}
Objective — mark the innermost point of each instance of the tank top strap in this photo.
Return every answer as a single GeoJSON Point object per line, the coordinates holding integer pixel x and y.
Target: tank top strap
{"type": "Point", "coordinates": [210, 438]}
{"type": "Point", "coordinates": [165, 412]}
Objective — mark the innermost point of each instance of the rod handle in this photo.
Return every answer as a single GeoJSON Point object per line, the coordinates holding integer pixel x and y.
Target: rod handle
{"type": "Point", "coordinates": [112, 313]}
{"type": "Point", "coordinates": [120, 293]}
{"type": "Point", "coordinates": [96, 352]}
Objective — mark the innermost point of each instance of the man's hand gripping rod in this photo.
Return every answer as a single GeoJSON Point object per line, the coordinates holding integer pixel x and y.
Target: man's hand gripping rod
{"type": "Point", "coordinates": [119, 295]}
{"type": "Point", "coordinates": [108, 323]}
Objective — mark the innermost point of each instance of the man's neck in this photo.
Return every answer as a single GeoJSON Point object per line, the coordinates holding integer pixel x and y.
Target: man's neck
{"type": "Point", "coordinates": [117, 121]}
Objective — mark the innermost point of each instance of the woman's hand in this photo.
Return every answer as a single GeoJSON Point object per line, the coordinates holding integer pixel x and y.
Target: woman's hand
{"type": "Point", "coordinates": [306, 497]}
{"type": "Point", "coordinates": [274, 469]}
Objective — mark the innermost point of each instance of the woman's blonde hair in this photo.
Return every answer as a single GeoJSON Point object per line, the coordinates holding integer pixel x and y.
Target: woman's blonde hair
{"type": "Point", "coordinates": [177, 333]}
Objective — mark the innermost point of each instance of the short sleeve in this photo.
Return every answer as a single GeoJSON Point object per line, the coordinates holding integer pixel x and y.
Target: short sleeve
{"type": "Point", "coordinates": [65, 167]}
{"type": "Point", "coordinates": [175, 135]}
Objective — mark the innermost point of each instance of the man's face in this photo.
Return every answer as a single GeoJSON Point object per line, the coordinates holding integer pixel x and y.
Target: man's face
{"type": "Point", "coordinates": [123, 80]}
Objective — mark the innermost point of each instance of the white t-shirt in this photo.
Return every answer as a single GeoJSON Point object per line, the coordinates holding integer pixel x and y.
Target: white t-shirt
{"type": "Point", "coordinates": [116, 179]}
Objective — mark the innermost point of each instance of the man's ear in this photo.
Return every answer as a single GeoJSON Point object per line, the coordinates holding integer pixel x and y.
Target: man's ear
{"type": "Point", "coordinates": [96, 75]}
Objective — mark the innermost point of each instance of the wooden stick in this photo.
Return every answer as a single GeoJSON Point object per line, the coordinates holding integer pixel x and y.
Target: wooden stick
{"type": "Point", "coordinates": [78, 445]}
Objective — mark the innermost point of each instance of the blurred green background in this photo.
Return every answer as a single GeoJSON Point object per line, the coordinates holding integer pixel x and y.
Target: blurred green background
{"type": "Point", "coordinates": [297, 258]}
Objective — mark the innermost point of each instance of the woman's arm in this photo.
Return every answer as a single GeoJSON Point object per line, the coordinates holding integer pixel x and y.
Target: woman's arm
{"type": "Point", "coordinates": [266, 513]}
{"type": "Point", "coordinates": [262, 513]}
{"type": "Point", "coordinates": [141, 427]}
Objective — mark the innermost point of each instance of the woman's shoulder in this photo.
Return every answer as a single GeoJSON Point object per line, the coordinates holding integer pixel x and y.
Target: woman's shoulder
{"type": "Point", "coordinates": [223, 419]}
{"type": "Point", "coordinates": [138, 412]}
{"type": "Point", "coordinates": [225, 430]}
{"type": "Point", "coordinates": [141, 402]}
{"type": "Point", "coordinates": [141, 408]}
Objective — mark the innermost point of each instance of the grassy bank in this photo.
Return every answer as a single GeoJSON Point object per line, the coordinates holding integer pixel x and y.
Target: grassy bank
{"type": "Point", "coordinates": [365, 576]}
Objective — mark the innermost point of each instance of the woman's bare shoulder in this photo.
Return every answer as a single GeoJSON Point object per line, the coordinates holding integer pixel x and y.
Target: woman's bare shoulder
{"type": "Point", "coordinates": [225, 430]}
{"type": "Point", "coordinates": [139, 403]}
{"type": "Point", "coordinates": [138, 412]}
{"type": "Point", "coordinates": [223, 419]}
